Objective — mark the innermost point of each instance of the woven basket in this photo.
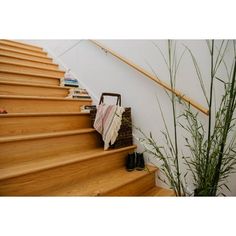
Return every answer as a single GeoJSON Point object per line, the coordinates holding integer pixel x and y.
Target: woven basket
{"type": "Point", "coordinates": [125, 137]}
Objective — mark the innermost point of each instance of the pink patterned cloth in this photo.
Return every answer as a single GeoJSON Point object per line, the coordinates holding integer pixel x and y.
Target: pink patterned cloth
{"type": "Point", "coordinates": [108, 122]}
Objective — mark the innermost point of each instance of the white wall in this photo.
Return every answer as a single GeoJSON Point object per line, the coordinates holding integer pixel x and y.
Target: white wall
{"type": "Point", "coordinates": [101, 72]}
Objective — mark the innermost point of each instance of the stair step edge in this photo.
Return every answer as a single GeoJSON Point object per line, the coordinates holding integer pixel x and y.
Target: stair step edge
{"type": "Point", "coordinates": [30, 66]}
{"type": "Point", "coordinates": [25, 53]}
{"type": "Point", "coordinates": [30, 60]}
{"type": "Point", "coordinates": [8, 173]}
{"type": "Point", "coordinates": [30, 74]}
{"type": "Point", "coordinates": [150, 171]}
{"type": "Point", "coordinates": [21, 45]}
{"type": "Point", "coordinates": [24, 44]}
{"type": "Point", "coordinates": [18, 47]}
{"type": "Point", "coordinates": [104, 176]}
{"type": "Point", "coordinates": [33, 85]}
{"type": "Point", "coordinates": [44, 114]}
{"type": "Point", "coordinates": [158, 191]}
{"type": "Point", "coordinates": [43, 98]}
{"type": "Point", "coordinates": [45, 135]}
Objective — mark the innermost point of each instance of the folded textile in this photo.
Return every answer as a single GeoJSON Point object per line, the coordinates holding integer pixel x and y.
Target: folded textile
{"type": "Point", "coordinates": [108, 122]}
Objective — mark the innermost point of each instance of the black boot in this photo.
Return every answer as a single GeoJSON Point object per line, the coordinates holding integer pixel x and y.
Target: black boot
{"type": "Point", "coordinates": [130, 162]}
{"type": "Point", "coordinates": [140, 164]}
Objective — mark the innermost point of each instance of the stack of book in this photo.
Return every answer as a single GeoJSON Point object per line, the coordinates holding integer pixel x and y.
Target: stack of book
{"type": "Point", "coordinates": [78, 93]}
{"type": "Point", "coordinates": [69, 82]}
{"type": "Point", "coordinates": [87, 108]}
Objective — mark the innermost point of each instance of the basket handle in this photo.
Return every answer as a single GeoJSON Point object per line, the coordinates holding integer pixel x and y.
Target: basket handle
{"type": "Point", "coordinates": [118, 102]}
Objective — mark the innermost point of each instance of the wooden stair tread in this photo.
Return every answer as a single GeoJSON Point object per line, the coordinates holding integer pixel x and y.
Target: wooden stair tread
{"type": "Point", "coordinates": [69, 158]}
{"type": "Point", "coordinates": [159, 191]}
{"type": "Point", "coordinates": [20, 55]}
{"type": "Point", "coordinates": [7, 57]}
{"type": "Point", "coordinates": [30, 73]}
{"type": "Point", "coordinates": [21, 45]}
{"type": "Point", "coordinates": [44, 114]}
{"type": "Point", "coordinates": [42, 98]}
{"type": "Point", "coordinates": [25, 53]}
{"type": "Point", "coordinates": [103, 183]}
{"type": "Point", "coordinates": [30, 66]}
{"type": "Point", "coordinates": [33, 85]}
{"type": "Point", "coordinates": [26, 59]}
{"type": "Point", "coordinates": [52, 162]}
{"type": "Point", "coordinates": [44, 135]}
{"type": "Point", "coordinates": [16, 77]}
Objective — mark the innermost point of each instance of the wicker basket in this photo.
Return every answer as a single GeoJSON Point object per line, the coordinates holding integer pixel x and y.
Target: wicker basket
{"type": "Point", "coordinates": [125, 137]}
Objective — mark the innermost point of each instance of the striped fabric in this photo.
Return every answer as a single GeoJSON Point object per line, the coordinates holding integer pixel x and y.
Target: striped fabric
{"type": "Point", "coordinates": [108, 122]}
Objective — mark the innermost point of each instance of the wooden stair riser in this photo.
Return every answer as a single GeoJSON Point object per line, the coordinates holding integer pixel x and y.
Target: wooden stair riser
{"type": "Point", "coordinates": [22, 125]}
{"type": "Point", "coordinates": [11, 77]}
{"type": "Point", "coordinates": [44, 182]}
{"type": "Point", "coordinates": [7, 59]}
{"type": "Point", "coordinates": [134, 188]}
{"type": "Point", "coordinates": [22, 50]}
{"type": "Point", "coordinates": [12, 53]}
{"type": "Point", "coordinates": [158, 191]}
{"type": "Point", "coordinates": [19, 89]}
{"type": "Point", "coordinates": [13, 153]}
{"type": "Point", "coordinates": [21, 45]}
{"type": "Point", "coordinates": [16, 105]}
{"type": "Point", "coordinates": [30, 70]}
{"type": "Point", "coordinates": [53, 154]}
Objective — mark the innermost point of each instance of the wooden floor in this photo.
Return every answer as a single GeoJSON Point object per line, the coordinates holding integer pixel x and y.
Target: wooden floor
{"type": "Point", "coordinates": [48, 147]}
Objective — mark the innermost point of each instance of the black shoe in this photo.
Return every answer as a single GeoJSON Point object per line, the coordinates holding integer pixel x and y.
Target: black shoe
{"type": "Point", "coordinates": [140, 164]}
{"type": "Point", "coordinates": [130, 162]}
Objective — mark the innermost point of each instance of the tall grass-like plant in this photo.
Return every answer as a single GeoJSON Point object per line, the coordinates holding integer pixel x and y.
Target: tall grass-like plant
{"type": "Point", "coordinates": [213, 148]}
{"type": "Point", "coordinates": [169, 154]}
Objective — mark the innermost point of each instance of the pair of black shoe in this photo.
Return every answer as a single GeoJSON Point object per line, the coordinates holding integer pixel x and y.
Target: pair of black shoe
{"type": "Point", "coordinates": [135, 161]}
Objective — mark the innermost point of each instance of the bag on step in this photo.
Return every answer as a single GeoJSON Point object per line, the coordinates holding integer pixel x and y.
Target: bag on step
{"type": "Point", "coordinates": [125, 137]}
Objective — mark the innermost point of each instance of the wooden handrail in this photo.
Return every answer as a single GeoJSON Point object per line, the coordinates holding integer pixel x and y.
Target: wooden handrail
{"type": "Point", "coordinates": [154, 78]}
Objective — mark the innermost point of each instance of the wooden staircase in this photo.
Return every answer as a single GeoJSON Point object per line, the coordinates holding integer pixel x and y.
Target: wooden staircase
{"type": "Point", "coordinates": [47, 146]}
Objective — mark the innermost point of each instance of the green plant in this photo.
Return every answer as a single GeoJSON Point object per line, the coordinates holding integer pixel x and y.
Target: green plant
{"type": "Point", "coordinates": [168, 154]}
{"type": "Point", "coordinates": [213, 146]}
{"type": "Point", "coordinates": [212, 149]}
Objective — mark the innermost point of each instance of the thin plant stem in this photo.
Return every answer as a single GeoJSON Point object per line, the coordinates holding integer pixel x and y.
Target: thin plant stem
{"type": "Point", "coordinates": [229, 115]}
{"type": "Point", "coordinates": [172, 82]}
{"type": "Point", "coordinates": [210, 110]}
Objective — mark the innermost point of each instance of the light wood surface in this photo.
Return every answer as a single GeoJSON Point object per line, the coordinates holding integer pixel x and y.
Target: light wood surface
{"type": "Point", "coordinates": [24, 78]}
{"type": "Point", "coordinates": [103, 185]}
{"type": "Point", "coordinates": [23, 69]}
{"type": "Point", "coordinates": [111, 159]}
{"type": "Point", "coordinates": [158, 191]}
{"type": "Point", "coordinates": [27, 62]}
{"type": "Point", "coordinates": [45, 176]}
{"type": "Point", "coordinates": [6, 46]}
{"type": "Point", "coordinates": [39, 146]}
{"type": "Point", "coordinates": [143, 181]}
{"type": "Point", "coordinates": [27, 56]}
{"type": "Point", "coordinates": [28, 73]}
{"type": "Point", "coordinates": [23, 104]}
{"type": "Point", "coordinates": [48, 147]}
{"type": "Point", "coordinates": [27, 89]}
{"type": "Point", "coordinates": [33, 123]}
{"type": "Point", "coordinates": [155, 79]}
{"type": "Point", "coordinates": [21, 45]}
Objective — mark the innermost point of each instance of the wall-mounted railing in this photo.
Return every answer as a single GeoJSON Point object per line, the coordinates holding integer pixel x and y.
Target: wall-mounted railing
{"type": "Point", "coordinates": [154, 78]}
